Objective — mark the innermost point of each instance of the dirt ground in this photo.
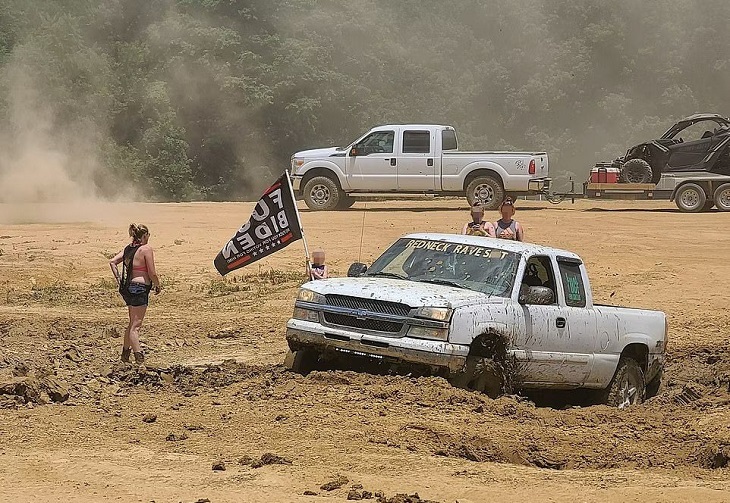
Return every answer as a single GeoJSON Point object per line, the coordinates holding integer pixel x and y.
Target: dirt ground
{"type": "Point", "coordinates": [215, 393]}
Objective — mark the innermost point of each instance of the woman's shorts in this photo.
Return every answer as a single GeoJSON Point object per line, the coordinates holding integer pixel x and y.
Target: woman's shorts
{"type": "Point", "coordinates": [137, 294]}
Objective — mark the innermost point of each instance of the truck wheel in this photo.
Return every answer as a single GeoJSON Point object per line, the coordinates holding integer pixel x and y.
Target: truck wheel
{"type": "Point", "coordinates": [486, 190]}
{"type": "Point", "coordinates": [722, 197]}
{"type": "Point", "coordinates": [652, 387]}
{"type": "Point", "coordinates": [321, 193]}
{"type": "Point", "coordinates": [302, 361]}
{"type": "Point", "coordinates": [482, 375]}
{"type": "Point", "coordinates": [345, 202]}
{"type": "Point", "coordinates": [690, 198]}
{"type": "Point", "coordinates": [636, 171]}
{"type": "Point", "coordinates": [627, 387]}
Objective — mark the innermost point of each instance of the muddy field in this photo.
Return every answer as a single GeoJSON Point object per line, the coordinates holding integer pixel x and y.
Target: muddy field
{"type": "Point", "coordinates": [214, 416]}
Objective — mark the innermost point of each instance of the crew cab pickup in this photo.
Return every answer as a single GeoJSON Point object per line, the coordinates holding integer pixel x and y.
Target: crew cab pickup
{"type": "Point", "coordinates": [414, 159]}
{"type": "Point", "coordinates": [487, 314]}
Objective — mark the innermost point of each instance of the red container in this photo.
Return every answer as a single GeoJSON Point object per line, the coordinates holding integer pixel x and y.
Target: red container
{"type": "Point", "coordinates": [604, 175]}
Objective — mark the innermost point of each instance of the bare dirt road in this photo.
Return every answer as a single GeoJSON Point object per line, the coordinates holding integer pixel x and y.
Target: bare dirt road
{"type": "Point", "coordinates": [155, 435]}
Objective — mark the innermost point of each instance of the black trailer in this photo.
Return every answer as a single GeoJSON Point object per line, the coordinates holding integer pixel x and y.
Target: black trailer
{"type": "Point", "coordinates": [692, 192]}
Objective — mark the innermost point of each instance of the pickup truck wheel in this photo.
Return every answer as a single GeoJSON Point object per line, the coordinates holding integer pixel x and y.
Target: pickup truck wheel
{"type": "Point", "coordinates": [486, 190]}
{"type": "Point", "coordinates": [627, 387]}
{"type": "Point", "coordinates": [652, 387]}
{"type": "Point", "coordinates": [636, 171]}
{"type": "Point", "coordinates": [690, 198]}
{"type": "Point", "coordinates": [722, 197]}
{"type": "Point", "coordinates": [480, 374]}
{"type": "Point", "coordinates": [321, 193]}
{"type": "Point", "coordinates": [302, 361]}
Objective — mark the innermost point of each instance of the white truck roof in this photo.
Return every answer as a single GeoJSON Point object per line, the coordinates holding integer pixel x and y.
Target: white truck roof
{"type": "Point", "coordinates": [500, 244]}
{"type": "Point", "coordinates": [412, 126]}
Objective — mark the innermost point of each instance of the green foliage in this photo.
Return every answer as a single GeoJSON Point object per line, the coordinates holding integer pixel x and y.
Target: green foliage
{"type": "Point", "coordinates": [209, 98]}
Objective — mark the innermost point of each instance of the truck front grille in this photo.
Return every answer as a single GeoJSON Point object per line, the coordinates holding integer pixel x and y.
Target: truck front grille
{"type": "Point", "coordinates": [365, 324]}
{"type": "Point", "coordinates": [375, 306]}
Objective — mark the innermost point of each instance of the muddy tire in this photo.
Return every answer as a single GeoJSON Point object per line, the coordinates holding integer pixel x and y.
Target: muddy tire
{"type": "Point", "coordinates": [722, 197]}
{"type": "Point", "coordinates": [690, 198]}
{"type": "Point", "coordinates": [321, 193]}
{"type": "Point", "coordinates": [636, 171]}
{"type": "Point", "coordinates": [652, 387]}
{"type": "Point", "coordinates": [627, 387]}
{"type": "Point", "coordinates": [302, 361]}
{"type": "Point", "coordinates": [487, 190]}
{"type": "Point", "coordinates": [481, 374]}
{"type": "Point", "coordinates": [345, 202]}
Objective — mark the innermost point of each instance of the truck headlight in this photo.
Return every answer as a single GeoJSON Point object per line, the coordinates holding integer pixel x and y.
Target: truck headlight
{"type": "Point", "coordinates": [296, 163]}
{"type": "Point", "coordinates": [306, 314]}
{"type": "Point", "coordinates": [434, 313]}
{"type": "Point", "coordinates": [439, 334]}
{"type": "Point", "coordinates": [305, 295]}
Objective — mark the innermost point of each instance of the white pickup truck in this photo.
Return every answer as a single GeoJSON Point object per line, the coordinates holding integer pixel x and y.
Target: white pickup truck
{"type": "Point", "coordinates": [414, 159]}
{"type": "Point", "coordinates": [487, 314]}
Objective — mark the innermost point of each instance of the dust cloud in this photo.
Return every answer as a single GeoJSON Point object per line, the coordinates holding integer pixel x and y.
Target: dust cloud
{"type": "Point", "coordinates": [47, 172]}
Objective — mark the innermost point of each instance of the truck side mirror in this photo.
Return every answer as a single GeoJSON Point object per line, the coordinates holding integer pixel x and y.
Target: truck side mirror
{"type": "Point", "coordinates": [536, 295]}
{"type": "Point", "coordinates": [356, 270]}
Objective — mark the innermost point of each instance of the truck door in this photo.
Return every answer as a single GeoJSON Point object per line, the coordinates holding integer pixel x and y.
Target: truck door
{"type": "Point", "coordinates": [547, 353]}
{"type": "Point", "coordinates": [371, 162]}
{"type": "Point", "coordinates": [417, 166]}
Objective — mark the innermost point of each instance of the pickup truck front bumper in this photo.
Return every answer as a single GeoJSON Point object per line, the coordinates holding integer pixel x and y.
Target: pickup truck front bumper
{"type": "Point", "coordinates": [301, 334]}
{"type": "Point", "coordinates": [296, 183]}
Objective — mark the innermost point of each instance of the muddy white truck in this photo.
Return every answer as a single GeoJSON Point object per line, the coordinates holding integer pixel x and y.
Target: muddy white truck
{"type": "Point", "coordinates": [395, 160]}
{"type": "Point", "coordinates": [486, 314]}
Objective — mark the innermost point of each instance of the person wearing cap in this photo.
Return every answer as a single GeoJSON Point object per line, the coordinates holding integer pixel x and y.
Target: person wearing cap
{"type": "Point", "coordinates": [507, 227]}
{"type": "Point", "coordinates": [478, 226]}
{"type": "Point", "coordinates": [318, 269]}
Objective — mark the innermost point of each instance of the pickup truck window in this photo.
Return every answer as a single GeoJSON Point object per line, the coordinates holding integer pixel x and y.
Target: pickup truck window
{"type": "Point", "coordinates": [380, 142]}
{"type": "Point", "coordinates": [479, 268]}
{"type": "Point", "coordinates": [539, 272]}
{"type": "Point", "coordinates": [448, 140]}
{"type": "Point", "coordinates": [575, 293]}
{"type": "Point", "coordinates": [416, 142]}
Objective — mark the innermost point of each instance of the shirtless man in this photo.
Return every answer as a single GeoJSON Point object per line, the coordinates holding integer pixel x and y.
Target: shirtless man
{"type": "Point", "coordinates": [506, 227]}
{"type": "Point", "coordinates": [478, 227]}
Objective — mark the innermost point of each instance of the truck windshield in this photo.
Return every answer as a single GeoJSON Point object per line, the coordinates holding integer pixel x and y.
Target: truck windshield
{"type": "Point", "coordinates": [479, 268]}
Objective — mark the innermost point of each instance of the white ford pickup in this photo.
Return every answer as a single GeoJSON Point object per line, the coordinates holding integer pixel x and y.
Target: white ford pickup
{"type": "Point", "coordinates": [487, 314]}
{"type": "Point", "coordinates": [414, 159]}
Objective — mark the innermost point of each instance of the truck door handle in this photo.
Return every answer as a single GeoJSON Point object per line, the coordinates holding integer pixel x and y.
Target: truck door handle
{"type": "Point", "coordinates": [429, 162]}
{"type": "Point", "coordinates": [392, 161]}
{"type": "Point", "coordinates": [560, 322]}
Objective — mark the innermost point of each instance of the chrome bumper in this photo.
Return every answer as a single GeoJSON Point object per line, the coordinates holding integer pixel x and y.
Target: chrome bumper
{"type": "Point", "coordinates": [442, 354]}
{"type": "Point", "coordinates": [539, 185]}
{"type": "Point", "coordinates": [296, 183]}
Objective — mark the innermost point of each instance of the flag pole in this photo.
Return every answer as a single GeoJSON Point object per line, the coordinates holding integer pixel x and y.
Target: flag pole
{"type": "Point", "coordinates": [299, 221]}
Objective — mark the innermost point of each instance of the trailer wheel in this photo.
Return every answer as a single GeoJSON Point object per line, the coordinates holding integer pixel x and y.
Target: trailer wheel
{"type": "Point", "coordinates": [722, 197]}
{"type": "Point", "coordinates": [690, 198]}
{"type": "Point", "coordinates": [636, 171]}
{"type": "Point", "coordinates": [486, 190]}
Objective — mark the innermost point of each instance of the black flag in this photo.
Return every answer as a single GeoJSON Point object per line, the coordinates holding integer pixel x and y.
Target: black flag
{"type": "Point", "coordinates": [273, 225]}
